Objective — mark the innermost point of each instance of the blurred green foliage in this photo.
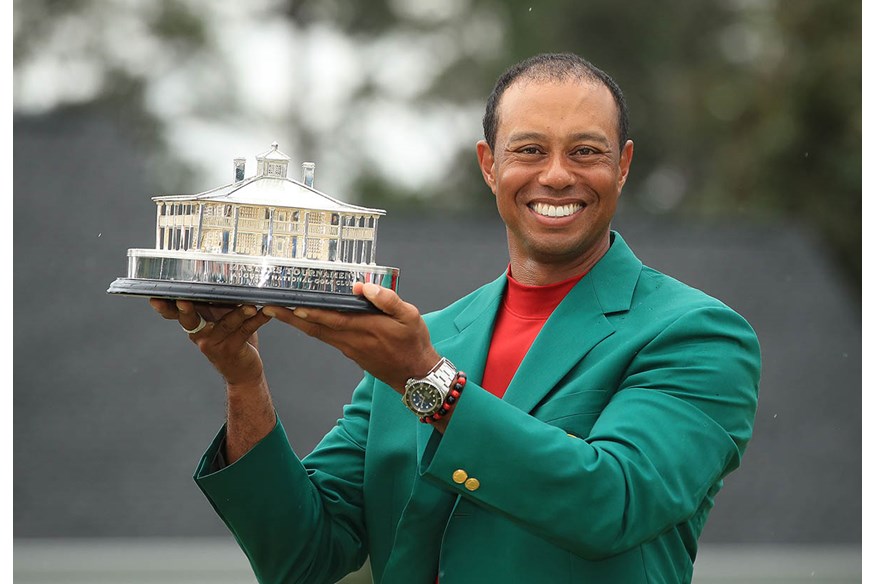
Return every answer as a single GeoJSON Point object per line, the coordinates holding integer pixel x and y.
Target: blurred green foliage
{"type": "Point", "coordinates": [740, 108]}
{"type": "Point", "coordinates": [746, 108]}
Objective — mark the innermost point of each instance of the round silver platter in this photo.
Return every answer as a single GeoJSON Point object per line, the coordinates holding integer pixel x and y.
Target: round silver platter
{"type": "Point", "coordinates": [260, 280]}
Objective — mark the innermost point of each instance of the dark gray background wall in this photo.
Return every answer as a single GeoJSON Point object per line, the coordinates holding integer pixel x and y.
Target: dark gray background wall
{"type": "Point", "coordinates": [113, 406]}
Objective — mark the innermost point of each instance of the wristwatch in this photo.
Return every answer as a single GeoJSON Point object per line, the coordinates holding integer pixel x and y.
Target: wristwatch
{"type": "Point", "coordinates": [425, 396]}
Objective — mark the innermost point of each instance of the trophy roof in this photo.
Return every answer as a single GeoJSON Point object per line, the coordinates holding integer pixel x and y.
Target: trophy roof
{"type": "Point", "coordinates": [273, 154]}
{"type": "Point", "coordinates": [272, 191]}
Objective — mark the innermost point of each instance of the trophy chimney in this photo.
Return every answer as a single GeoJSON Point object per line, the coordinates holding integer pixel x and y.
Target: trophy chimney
{"type": "Point", "coordinates": [239, 169]}
{"type": "Point", "coordinates": [308, 169]}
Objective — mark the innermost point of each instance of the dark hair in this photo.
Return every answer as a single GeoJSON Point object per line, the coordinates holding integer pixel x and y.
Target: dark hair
{"type": "Point", "coordinates": [553, 67]}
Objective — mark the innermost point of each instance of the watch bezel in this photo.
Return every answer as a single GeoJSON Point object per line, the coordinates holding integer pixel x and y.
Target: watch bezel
{"type": "Point", "coordinates": [421, 387]}
{"type": "Point", "coordinates": [439, 380]}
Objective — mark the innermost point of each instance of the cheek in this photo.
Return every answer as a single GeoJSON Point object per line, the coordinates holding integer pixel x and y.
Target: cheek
{"type": "Point", "coordinates": [507, 208]}
{"type": "Point", "coordinates": [605, 183]}
{"type": "Point", "coordinates": [510, 180]}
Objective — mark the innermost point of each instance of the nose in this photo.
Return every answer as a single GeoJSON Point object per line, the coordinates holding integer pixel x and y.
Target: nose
{"type": "Point", "coordinates": [556, 173]}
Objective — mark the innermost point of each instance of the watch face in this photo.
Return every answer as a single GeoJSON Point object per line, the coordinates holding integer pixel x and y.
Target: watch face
{"type": "Point", "coordinates": [424, 398]}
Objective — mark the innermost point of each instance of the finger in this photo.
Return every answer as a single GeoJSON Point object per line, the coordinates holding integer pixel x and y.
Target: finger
{"type": "Point", "coordinates": [328, 318]}
{"type": "Point", "coordinates": [388, 301]}
{"type": "Point", "coordinates": [166, 308]}
{"type": "Point", "coordinates": [299, 318]}
{"type": "Point", "coordinates": [281, 313]}
{"type": "Point", "coordinates": [231, 321]}
{"type": "Point", "coordinates": [249, 326]}
{"type": "Point", "coordinates": [213, 312]}
{"type": "Point", "coordinates": [306, 319]}
{"type": "Point", "coordinates": [189, 318]}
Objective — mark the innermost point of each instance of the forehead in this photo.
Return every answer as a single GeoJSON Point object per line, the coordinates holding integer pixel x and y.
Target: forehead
{"type": "Point", "coordinates": [570, 106]}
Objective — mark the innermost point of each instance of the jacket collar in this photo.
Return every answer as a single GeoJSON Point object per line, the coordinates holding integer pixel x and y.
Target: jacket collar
{"type": "Point", "coordinates": [575, 327]}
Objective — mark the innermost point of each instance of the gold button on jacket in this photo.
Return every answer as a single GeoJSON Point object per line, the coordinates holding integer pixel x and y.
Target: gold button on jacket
{"type": "Point", "coordinates": [459, 476]}
{"type": "Point", "coordinates": [472, 484]}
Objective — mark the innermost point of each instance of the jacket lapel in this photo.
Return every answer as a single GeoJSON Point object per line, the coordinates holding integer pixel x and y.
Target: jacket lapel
{"type": "Point", "coordinates": [421, 526]}
{"type": "Point", "coordinates": [468, 349]}
{"type": "Point", "coordinates": [576, 326]}
{"type": "Point", "coordinates": [572, 330]}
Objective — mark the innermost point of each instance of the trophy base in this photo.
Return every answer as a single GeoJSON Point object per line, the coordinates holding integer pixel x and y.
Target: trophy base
{"type": "Point", "coordinates": [240, 279]}
{"type": "Point", "coordinates": [231, 294]}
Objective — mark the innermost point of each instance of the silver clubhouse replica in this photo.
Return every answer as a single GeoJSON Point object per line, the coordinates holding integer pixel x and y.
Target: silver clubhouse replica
{"type": "Point", "coordinates": [263, 239]}
{"type": "Point", "coordinates": [425, 396]}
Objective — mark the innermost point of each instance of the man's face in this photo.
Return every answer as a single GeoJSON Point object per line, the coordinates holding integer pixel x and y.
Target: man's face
{"type": "Point", "coordinates": [556, 170]}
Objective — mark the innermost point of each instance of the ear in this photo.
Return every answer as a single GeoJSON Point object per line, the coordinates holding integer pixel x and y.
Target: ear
{"type": "Point", "coordinates": [487, 163]}
{"type": "Point", "coordinates": [626, 158]}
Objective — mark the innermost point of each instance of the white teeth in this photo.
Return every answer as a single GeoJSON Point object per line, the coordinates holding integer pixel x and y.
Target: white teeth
{"type": "Point", "coordinates": [555, 210]}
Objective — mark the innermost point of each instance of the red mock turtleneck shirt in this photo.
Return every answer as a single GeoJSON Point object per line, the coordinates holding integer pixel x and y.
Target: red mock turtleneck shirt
{"type": "Point", "coordinates": [523, 312]}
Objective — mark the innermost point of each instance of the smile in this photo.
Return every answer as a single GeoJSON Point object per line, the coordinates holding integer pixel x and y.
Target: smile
{"type": "Point", "coordinates": [548, 210]}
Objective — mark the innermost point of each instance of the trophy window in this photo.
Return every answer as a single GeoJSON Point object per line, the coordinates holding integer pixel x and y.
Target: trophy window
{"type": "Point", "coordinates": [246, 243]}
{"type": "Point", "coordinates": [314, 248]}
{"type": "Point", "coordinates": [249, 212]}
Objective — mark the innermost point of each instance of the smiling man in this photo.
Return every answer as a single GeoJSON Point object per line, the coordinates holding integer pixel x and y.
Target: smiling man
{"type": "Point", "coordinates": [601, 405]}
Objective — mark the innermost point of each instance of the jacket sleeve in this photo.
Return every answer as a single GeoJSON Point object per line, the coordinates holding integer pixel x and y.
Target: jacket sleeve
{"type": "Point", "coordinates": [677, 424]}
{"type": "Point", "coordinates": [297, 521]}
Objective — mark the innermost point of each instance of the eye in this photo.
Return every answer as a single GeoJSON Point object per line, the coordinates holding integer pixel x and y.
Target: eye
{"type": "Point", "coordinates": [585, 151]}
{"type": "Point", "coordinates": [529, 150]}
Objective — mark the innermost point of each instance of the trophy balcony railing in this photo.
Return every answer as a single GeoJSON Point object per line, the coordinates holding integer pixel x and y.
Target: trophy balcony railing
{"type": "Point", "coordinates": [358, 233]}
{"type": "Point", "coordinates": [287, 228]}
{"type": "Point", "coordinates": [263, 226]}
{"type": "Point", "coordinates": [253, 225]}
{"type": "Point", "coordinates": [178, 221]}
{"type": "Point", "coordinates": [219, 222]}
{"type": "Point", "coordinates": [322, 229]}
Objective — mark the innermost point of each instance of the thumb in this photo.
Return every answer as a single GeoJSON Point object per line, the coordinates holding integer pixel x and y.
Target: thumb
{"type": "Point", "coordinates": [384, 299]}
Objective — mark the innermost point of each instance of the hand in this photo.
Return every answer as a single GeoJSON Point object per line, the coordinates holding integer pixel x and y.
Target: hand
{"type": "Point", "coordinates": [392, 346]}
{"type": "Point", "coordinates": [229, 339]}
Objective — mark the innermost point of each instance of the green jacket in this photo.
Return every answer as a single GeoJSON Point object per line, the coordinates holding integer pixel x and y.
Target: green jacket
{"type": "Point", "coordinates": [600, 465]}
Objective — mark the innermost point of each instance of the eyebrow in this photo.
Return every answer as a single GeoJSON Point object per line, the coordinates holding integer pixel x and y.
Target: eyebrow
{"type": "Point", "coordinates": [580, 137]}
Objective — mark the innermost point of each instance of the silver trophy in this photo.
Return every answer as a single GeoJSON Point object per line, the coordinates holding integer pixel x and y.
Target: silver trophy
{"type": "Point", "coordinates": [266, 239]}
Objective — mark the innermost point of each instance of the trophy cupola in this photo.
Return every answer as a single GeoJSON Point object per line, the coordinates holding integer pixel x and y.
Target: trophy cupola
{"type": "Point", "coordinates": [272, 163]}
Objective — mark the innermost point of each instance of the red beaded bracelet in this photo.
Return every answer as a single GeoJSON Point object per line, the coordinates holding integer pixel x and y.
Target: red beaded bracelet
{"type": "Point", "coordinates": [449, 400]}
